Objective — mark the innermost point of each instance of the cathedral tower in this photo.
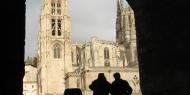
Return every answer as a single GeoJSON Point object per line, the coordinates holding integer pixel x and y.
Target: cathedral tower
{"type": "Point", "coordinates": [54, 47]}
{"type": "Point", "coordinates": [125, 31]}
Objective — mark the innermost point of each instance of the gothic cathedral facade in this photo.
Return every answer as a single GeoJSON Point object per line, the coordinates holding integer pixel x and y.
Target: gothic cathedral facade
{"type": "Point", "coordinates": [62, 64]}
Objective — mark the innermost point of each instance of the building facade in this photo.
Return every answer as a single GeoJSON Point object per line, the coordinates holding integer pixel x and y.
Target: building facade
{"type": "Point", "coordinates": [100, 56]}
{"type": "Point", "coordinates": [62, 64]}
{"type": "Point", "coordinates": [30, 80]}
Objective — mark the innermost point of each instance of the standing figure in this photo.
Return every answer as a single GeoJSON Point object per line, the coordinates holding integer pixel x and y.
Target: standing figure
{"type": "Point", "coordinates": [120, 86]}
{"type": "Point", "coordinates": [100, 86]}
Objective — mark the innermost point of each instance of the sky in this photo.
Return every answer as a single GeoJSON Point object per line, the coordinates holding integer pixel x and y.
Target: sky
{"type": "Point", "coordinates": [88, 18]}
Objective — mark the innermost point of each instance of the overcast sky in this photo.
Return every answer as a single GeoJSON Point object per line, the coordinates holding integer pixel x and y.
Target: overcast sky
{"type": "Point", "coordinates": [88, 18]}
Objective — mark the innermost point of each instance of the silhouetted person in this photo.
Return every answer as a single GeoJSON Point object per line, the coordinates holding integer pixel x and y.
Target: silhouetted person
{"type": "Point", "coordinates": [73, 91]}
{"type": "Point", "coordinates": [100, 86]}
{"type": "Point", "coordinates": [120, 86]}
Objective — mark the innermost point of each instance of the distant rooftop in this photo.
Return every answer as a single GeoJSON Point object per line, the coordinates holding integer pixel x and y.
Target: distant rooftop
{"type": "Point", "coordinates": [31, 61]}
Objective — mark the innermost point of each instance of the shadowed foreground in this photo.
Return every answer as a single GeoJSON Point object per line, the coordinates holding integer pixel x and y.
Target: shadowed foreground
{"type": "Point", "coordinates": [163, 31]}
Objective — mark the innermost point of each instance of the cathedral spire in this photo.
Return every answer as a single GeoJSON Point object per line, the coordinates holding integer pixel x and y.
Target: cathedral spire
{"type": "Point", "coordinates": [119, 32]}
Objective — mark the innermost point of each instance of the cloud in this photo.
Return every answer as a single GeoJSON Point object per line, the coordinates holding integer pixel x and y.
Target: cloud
{"type": "Point", "coordinates": [92, 18]}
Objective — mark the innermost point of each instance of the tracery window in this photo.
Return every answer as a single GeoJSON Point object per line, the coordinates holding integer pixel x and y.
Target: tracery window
{"type": "Point", "coordinates": [56, 27]}
{"type": "Point", "coordinates": [56, 7]}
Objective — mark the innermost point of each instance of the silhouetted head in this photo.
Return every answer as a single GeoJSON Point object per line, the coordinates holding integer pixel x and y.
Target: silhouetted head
{"type": "Point", "coordinates": [116, 76]}
{"type": "Point", "coordinates": [101, 76]}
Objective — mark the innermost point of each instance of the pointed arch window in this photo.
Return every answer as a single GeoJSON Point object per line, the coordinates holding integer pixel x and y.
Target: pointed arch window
{"type": "Point", "coordinates": [56, 7]}
{"type": "Point", "coordinates": [57, 51]}
{"type": "Point", "coordinates": [106, 57]}
{"type": "Point", "coordinates": [59, 27]}
{"type": "Point", "coordinates": [53, 27]}
{"type": "Point", "coordinates": [106, 53]}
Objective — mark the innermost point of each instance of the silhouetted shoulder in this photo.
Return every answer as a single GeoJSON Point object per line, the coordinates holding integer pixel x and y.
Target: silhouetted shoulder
{"type": "Point", "coordinates": [73, 91]}
{"type": "Point", "coordinates": [92, 85]}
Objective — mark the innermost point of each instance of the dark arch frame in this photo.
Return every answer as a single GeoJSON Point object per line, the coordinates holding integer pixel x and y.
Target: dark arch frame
{"type": "Point", "coordinates": [144, 17]}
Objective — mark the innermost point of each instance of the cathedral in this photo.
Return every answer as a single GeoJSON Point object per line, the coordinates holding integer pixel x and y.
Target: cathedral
{"type": "Point", "coordinates": [61, 64]}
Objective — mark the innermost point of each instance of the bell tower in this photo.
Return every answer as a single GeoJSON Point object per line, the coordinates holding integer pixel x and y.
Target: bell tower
{"type": "Point", "coordinates": [54, 47]}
